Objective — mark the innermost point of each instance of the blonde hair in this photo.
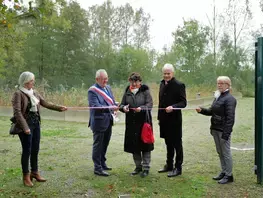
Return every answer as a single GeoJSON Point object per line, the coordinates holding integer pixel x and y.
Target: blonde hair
{"type": "Point", "coordinates": [225, 79]}
{"type": "Point", "coordinates": [25, 77]}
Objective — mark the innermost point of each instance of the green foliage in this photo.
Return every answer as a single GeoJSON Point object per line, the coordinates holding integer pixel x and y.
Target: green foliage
{"type": "Point", "coordinates": [64, 45]}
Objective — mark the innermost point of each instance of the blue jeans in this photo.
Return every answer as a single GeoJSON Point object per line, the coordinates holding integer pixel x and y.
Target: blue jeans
{"type": "Point", "coordinates": [30, 147]}
{"type": "Point", "coordinates": [101, 141]}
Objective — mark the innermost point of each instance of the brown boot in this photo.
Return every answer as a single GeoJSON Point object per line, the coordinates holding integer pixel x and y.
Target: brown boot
{"type": "Point", "coordinates": [37, 176]}
{"type": "Point", "coordinates": [26, 180]}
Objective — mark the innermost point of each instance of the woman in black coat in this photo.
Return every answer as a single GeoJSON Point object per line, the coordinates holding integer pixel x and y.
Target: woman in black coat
{"type": "Point", "coordinates": [222, 121]}
{"type": "Point", "coordinates": [136, 102]}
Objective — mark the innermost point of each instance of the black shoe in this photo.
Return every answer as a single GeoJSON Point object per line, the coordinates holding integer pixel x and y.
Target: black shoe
{"type": "Point", "coordinates": [101, 173]}
{"type": "Point", "coordinates": [144, 173]}
{"type": "Point", "coordinates": [107, 168]}
{"type": "Point", "coordinates": [165, 169]}
{"type": "Point", "coordinates": [218, 177]}
{"type": "Point", "coordinates": [175, 172]}
{"type": "Point", "coordinates": [136, 171]}
{"type": "Point", "coordinates": [226, 179]}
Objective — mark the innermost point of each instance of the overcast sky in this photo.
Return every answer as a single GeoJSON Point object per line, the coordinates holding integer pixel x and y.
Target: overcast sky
{"type": "Point", "coordinates": [168, 14]}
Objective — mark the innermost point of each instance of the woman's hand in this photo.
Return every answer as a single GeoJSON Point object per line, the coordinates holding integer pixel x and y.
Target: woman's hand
{"type": "Point", "coordinates": [126, 108]}
{"type": "Point", "coordinates": [198, 110]}
{"type": "Point", "coordinates": [27, 131]}
{"type": "Point", "coordinates": [138, 109]}
{"type": "Point", "coordinates": [63, 108]}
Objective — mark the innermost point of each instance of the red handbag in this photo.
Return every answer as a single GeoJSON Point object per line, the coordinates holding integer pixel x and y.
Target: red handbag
{"type": "Point", "coordinates": [147, 131]}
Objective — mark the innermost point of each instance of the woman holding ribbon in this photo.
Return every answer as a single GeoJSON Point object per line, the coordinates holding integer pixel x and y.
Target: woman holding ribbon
{"type": "Point", "coordinates": [136, 103]}
{"type": "Point", "coordinates": [26, 108]}
{"type": "Point", "coordinates": [222, 113]}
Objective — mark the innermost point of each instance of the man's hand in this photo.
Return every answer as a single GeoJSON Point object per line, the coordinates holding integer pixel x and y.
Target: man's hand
{"type": "Point", "coordinates": [115, 108]}
{"type": "Point", "coordinates": [169, 109]}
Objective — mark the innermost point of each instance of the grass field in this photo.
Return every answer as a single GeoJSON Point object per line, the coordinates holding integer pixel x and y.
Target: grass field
{"type": "Point", "coordinates": [65, 160]}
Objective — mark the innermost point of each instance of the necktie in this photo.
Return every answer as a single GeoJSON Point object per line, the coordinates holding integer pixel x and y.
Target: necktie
{"type": "Point", "coordinates": [106, 91]}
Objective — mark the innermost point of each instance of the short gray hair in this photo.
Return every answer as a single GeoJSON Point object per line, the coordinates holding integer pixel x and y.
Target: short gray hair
{"type": "Point", "coordinates": [168, 66]}
{"type": "Point", "coordinates": [25, 77]}
{"type": "Point", "coordinates": [225, 79]}
{"type": "Point", "coordinates": [98, 73]}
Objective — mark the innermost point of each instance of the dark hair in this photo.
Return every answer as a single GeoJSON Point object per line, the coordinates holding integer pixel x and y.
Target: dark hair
{"type": "Point", "coordinates": [135, 77]}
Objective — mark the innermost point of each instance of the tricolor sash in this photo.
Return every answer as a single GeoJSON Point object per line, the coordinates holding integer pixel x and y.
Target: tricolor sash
{"type": "Point", "coordinates": [108, 99]}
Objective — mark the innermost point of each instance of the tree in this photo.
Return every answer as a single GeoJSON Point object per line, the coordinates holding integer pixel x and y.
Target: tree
{"type": "Point", "coordinates": [42, 51]}
{"type": "Point", "coordinates": [141, 30]}
{"type": "Point", "coordinates": [189, 47]}
{"type": "Point", "coordinates": [226, 62]}
{"type": "Point", "coordinates": [238, 16]}
{"type": "Point", "coordinates": [216, 25]}
{"type": "Point", "coordinates": [125, 15]}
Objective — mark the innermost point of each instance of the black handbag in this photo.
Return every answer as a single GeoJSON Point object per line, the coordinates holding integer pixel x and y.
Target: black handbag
{"type": "Point", "coordinates": [14, 129]}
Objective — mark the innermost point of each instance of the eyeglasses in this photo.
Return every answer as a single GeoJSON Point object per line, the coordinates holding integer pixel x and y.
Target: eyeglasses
{"type": "Point", "coordinates": [135, 82]}
{"type": "Point", "coordinates": [221, 83]}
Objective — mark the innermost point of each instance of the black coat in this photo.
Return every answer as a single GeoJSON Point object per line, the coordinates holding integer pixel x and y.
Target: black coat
{"type": "Point", "coordinates": [134, 121]}
{"type": "Point", "coordinates": [172, 94]}
{"type": "Point", "coordinates": [223, 114]}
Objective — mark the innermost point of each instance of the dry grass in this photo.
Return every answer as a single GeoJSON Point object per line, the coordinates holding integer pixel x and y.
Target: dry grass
{"type": "Point", "coordinates": [78, 96]}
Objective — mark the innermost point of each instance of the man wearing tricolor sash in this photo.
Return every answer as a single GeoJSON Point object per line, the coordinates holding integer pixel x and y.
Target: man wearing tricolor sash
{"type": "Point", "coordinates": [102, 106]}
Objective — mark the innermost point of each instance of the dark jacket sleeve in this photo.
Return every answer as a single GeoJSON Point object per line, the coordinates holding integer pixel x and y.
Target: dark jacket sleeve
{"type": "Point", "coordinates": [230, 106]}
{"type": "Point", "coordinates": [182, 102]}
{"type": "Point", "coordinates": [206, 111]}
{"type": "Point", "coordinates": [123, 102]}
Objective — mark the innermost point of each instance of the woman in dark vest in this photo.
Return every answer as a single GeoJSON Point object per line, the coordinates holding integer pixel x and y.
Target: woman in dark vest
{"type": "Point", "coordinates": [136, 102]}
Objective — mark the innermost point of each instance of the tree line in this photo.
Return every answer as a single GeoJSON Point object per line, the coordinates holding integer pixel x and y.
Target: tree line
{"type": "Point", "coordinates": [64, 44]}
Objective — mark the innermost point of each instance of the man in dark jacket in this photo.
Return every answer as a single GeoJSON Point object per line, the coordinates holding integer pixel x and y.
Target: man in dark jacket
{"type": "Point", "coordinates": [171, 96]}
{"type": "Point", "coordinates": [222, 121]}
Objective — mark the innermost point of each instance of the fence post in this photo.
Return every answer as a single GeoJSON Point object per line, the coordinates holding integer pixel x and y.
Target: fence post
{"type": "Point", "coordinates": [258, 110]}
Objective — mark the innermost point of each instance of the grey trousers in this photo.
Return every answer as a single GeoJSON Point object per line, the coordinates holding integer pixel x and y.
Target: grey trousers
{"type": "Point", "coordinates": [142, 160]}
{"type": "Point", "coordinates": [224, 152]}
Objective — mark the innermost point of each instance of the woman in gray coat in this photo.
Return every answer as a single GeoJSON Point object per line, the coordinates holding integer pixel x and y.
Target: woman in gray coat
{"type": "Point", "coordinates": [136, 102]}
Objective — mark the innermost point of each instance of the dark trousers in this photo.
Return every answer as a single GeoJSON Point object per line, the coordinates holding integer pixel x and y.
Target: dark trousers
{"type": "Point", "coordinates": [30, 148]}
{"type": "Point", "coordinates": [174, 145]}
{"type": "Point", "coordinates": [101, 141]}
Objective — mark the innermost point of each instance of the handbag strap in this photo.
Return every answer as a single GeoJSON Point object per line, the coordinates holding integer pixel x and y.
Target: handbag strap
{"type": "Point", "coordinates": [147, 116]}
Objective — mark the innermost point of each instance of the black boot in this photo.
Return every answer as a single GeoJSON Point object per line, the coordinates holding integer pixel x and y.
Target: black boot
{"type": "Point", "coordinates": [226, 179]}
{"type": "Point", "coordinates": [144, 173]}
{"type": "Point", "coordinates": [175, 172]}
{"type": "Point", "coordinates": [136, 171]}
{"type": "Point", "coordinates": [218, 177]}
